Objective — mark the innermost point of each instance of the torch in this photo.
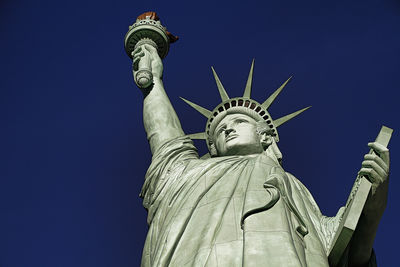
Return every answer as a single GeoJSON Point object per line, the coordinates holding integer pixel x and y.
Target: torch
{"type": "Point", "coordinates": [147, 30]}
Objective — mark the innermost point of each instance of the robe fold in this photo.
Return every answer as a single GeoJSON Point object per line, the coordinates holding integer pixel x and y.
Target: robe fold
{"type": "Point", "coordinates": [230, 211]}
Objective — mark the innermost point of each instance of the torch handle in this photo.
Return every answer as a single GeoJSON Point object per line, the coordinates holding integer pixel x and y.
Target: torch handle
{"type": "Point", "coordinates": [144, 76]}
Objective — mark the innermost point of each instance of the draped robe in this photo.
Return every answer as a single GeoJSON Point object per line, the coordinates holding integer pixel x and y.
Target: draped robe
{"type": "Point", "coordinates": [230, 211]}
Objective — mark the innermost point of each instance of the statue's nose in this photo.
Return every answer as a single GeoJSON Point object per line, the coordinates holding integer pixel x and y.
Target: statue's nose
{"type": "Point", "coordinates": [228, 131]}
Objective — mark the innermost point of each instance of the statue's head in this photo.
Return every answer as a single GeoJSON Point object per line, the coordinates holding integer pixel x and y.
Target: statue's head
{"type": "Point", "coordinates": [241, 125]}
{"type": "Point", "coordinates": [240, 134]}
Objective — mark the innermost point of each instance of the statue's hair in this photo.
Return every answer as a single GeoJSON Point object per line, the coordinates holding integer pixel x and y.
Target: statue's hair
{"type": "Point", "coordinates": [263, 128]}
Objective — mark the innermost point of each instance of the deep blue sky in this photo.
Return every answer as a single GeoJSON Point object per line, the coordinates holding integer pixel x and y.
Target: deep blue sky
{"type": "Point", "coordinates": [73, 150]}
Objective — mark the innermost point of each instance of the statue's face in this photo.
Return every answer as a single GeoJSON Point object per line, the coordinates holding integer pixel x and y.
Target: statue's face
{"type": "Point", "coordinates": [236, 135]}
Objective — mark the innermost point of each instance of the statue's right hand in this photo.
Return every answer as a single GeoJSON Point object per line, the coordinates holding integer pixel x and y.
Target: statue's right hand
{"type": "Point", "coordinates": [147, 55]}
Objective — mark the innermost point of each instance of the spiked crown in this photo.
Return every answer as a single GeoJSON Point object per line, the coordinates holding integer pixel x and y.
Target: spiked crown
{"type": "Point", "coordinates": [240, 105]}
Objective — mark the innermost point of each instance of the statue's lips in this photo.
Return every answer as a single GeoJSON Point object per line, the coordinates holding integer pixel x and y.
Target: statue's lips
{"type": "Point", "coordinates": [231, 137]}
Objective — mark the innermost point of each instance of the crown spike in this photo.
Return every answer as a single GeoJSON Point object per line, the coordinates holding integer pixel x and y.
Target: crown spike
{"type": "Point", "coordinates": [267, 103]}
{"type": "Point", "coordinates": [288, 117]}
{"type": "Point", "coordinates": [221, 89]}
{"type": "Point", "coordinates": [201, 135]}
{"type": "Point", "coordinates": [247, 90]}
{"type": "Point", "coordinates": [203, 111]}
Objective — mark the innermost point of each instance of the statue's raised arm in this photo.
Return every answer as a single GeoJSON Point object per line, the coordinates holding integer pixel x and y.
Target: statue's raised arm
{"type": "Point", "coordinates": [146, 42]}
{"type": "Point", "coordinates": [159, 117]}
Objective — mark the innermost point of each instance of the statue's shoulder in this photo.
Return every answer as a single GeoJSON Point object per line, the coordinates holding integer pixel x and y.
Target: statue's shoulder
{"type": "Point", "coordinates": [176, 147]}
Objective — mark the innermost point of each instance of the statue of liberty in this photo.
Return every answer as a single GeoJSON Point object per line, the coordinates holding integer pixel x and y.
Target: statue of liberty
{"type": "Point", "coordinates": [237, 206]}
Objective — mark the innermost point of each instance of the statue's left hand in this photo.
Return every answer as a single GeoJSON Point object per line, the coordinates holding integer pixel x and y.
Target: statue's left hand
{"type": "Point", "coordinates": [375, 168]}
